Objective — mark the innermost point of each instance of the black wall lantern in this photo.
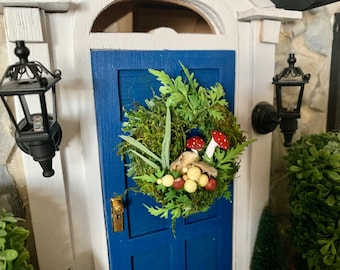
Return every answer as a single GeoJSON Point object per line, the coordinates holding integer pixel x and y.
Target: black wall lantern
{"type": "Point", "coordinates": [289, 86]}
{"type": "Point", "coordinates": [37, 134]}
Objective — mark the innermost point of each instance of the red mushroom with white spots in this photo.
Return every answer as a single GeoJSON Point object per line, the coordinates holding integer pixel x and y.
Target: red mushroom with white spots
{"type": "Point", "coordinates": [218, 139]}
{"type": "Point", "coordinates": [195, 144]}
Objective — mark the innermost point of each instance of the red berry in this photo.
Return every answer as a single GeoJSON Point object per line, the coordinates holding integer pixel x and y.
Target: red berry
{"type": "Point", "coordinates": [178, 183]}
{"type": "Point", "coordinates": [211, 185]}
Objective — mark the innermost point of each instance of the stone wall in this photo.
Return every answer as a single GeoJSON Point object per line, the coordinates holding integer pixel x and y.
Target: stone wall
{"type": "Point", "coordinates": [13, 194]}
{"type": "Point", "coordinates": [10, 158]}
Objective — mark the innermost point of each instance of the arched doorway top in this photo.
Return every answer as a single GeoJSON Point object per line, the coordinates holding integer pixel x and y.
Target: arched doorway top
{"type": "Point", "coordinates": [146, 15]}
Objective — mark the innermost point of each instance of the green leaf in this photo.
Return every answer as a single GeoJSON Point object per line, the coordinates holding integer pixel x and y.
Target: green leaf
{"type": "Point", "coordinates": [330, 229]}
{"type": "Point", "coordinates": [215, 114]}
{"type": "Point", "coordinates": [323, 241]}
{"type": "Point", "coordinates": [10, 219]}
{"type": "Point", "coordinates": [325, 248]}
{"type": "Point", "coordinates": [332, 175]}
{"type": "Point", "coordinates": [162, 77]}
{"type": "Point", "coordinates": [333, 249]}
{"type": "Point", "coordinates": [146, 160]}
{"type": "Point", "coordinates": [313, 151]}
{"type": "Point", "coordinates": [328, 259]}
{"type": "Point", "coordinates": [192, 81]}
{"type": "Point", "coordinates": [322, 187]}
{"type": "Point", "coordinates": [184, 199]}
{"type": "Point", "coordinates": [334, 161]}
{"type": "Point", "coordinates": [8, 255]}
{"type": "Point", "coordinates": [174, 99]}
{"type": "Point", "coordinates": [159, 174]}
{"type": "Point", "coordinates": [300, 175]}
{"type": "Point", "coordinates": [157, 211]}
{"type": "Point", "coordinates": [140, 146]}
{"type": "Point", "coordinates": [2, 243]}
{"type": "Point", "coordinates": [166, 141]}
{"type": "Point", "coordinates": [294, 168]}
{"type": "Point", "coordinates": [147, 178]}
{"type": "Point", "coordinates": [22, 260]}
{"type": "Point", "coordinates": [176, 212]}
{"type": "Point", "coordinates": [331, 200]}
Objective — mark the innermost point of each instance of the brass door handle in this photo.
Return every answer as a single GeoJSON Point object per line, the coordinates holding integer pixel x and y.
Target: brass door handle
{"type": "Point", "coordinates": [117, 211]}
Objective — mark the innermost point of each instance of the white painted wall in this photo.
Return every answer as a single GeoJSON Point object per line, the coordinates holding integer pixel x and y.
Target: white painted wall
{"type": "Point", "coordinates": [70, 41]}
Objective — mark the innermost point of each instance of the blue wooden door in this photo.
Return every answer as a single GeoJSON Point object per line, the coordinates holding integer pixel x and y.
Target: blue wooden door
{"type": "Point", "coordinates": [203, 241]}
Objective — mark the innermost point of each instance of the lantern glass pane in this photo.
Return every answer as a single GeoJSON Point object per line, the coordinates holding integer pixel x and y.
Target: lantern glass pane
{"type": "Point", "coordinates": [49, 104]}
{"type": "Point", "coordinates": [28, 105]}
{"type": "Point", "coordinates": [33, 106]}
{"type": "Point", "coordinates": [290, 96]}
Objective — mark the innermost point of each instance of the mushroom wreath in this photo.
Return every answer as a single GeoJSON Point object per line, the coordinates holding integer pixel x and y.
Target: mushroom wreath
{"type": "Point", "coordinates": [183, 146]}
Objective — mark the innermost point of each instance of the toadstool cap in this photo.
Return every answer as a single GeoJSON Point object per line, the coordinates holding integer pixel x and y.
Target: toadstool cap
{"type": "Point", "coordinates": [195, 142]}
{"type": "Point", "coordinates": [221, 139]}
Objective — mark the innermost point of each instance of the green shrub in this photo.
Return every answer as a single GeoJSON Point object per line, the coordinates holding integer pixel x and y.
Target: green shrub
{"type": "Point", "coordinates": [314, 180]}
{"type": "Point", "coordinates": [13, 253]}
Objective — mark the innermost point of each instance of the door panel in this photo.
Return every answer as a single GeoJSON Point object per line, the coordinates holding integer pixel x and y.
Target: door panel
{"type": "Point", "coordinates": [203, 241]}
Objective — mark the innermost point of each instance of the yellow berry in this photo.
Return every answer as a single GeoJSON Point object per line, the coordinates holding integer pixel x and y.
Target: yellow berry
{"type": "Point", "coordinates": [194, 173]}
{"type": "Point", "coordinates": [190, 186]}
{"type": "Point", "coordinates": [203, 180]}
{"type": "Point", "coordinates": [168, 180]}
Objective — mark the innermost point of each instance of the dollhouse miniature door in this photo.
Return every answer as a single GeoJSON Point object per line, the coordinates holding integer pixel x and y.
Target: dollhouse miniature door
{"type": "Point", "coordinates": [203, 241]}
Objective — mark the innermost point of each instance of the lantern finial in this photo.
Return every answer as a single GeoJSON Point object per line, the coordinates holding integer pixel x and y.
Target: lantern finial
{"type": "Point", "coordinates": [21, 51]}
